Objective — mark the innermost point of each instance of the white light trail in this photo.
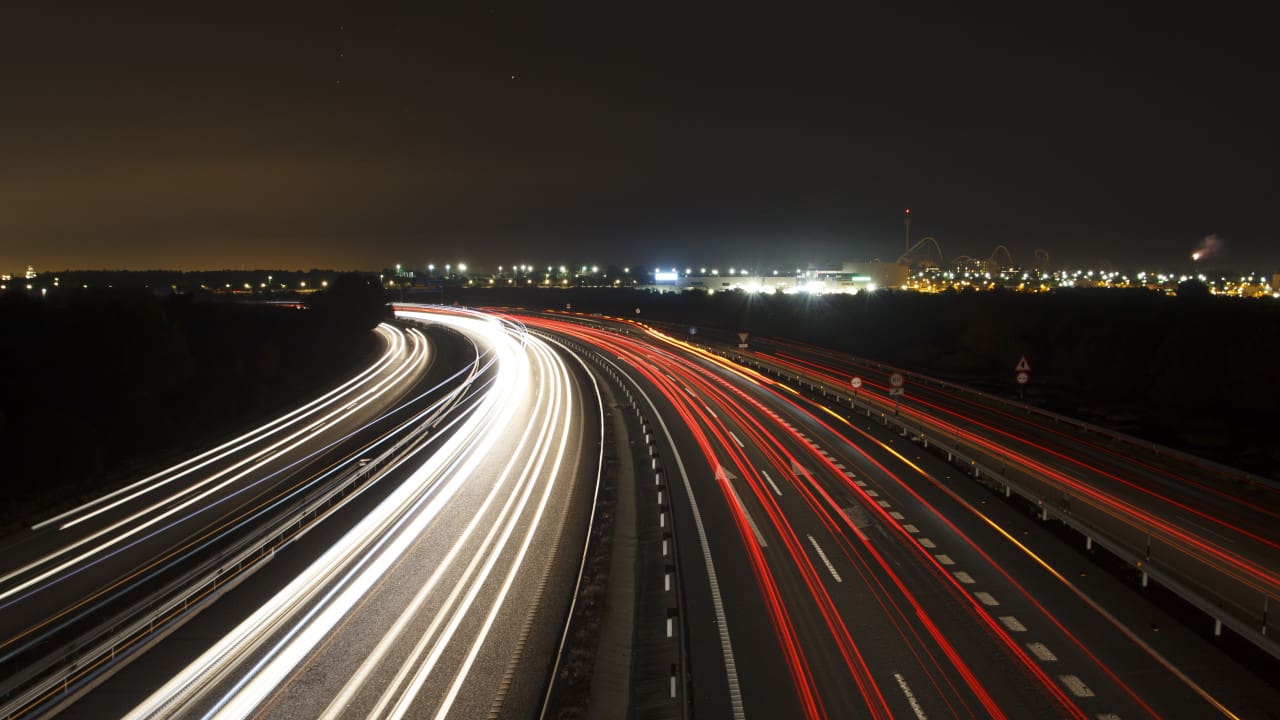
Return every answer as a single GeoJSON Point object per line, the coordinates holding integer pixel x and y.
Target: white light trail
{"type": "Point", "coordinates": [124, 529]}
{"type": "Point", "coordinates": [529, 412]}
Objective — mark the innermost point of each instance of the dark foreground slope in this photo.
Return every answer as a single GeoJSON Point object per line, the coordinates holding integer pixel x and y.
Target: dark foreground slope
{"type": "Point", "coordinates": [101, 385]}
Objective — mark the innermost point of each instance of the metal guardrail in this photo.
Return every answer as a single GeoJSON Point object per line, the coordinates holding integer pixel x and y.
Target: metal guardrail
{"type": "Point", "coordinates": [1226, 471]}
{"type": "Point", "coordinates": [1221, 596]}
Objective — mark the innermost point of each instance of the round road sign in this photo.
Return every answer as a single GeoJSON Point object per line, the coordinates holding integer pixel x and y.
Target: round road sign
{"type": "Point", "coordinates": [1022, 376]}
{"type": "Point", "coordinates": [895, 379]}
{"type": "Point", "coordinates": [856, 383]}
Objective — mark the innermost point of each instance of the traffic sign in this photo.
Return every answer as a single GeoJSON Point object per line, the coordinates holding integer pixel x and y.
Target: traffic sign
{"type": "Point", "coordinates": [1022, 365]}
{"type": "Point", "coordinates": [856, 382]}
{"type": "Point", "coordinates": [742, 340]}
{"type": "Point", "coordinates": [1022, 376]}
{"type": "Point", "coordinates": [896, 380]}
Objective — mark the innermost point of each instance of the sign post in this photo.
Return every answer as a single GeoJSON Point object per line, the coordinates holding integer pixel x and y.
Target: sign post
{"type": "Point", "coordinates": [856, 382]}
{"type": "Point", "coordinates": [1022, 375]}
{"type": "Point", "coordinates": [896, 390]}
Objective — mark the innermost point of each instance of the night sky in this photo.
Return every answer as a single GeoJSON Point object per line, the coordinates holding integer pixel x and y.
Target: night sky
{"type": "Point", "coordinates": [210, 135]}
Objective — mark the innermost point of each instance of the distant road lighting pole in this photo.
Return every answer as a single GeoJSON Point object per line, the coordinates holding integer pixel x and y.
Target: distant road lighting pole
{"type": "Point", "coordinates": [906, 221]}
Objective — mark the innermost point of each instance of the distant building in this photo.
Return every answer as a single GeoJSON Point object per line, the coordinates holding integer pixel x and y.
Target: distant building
{"type": "Point", "coordinates": [811, 281]}
{"type": "Point", "coordinates": [881, 274]}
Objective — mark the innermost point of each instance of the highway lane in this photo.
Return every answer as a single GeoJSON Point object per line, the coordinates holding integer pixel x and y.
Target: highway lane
{"type": "Point", "coordinates": [1218, 534]}
{"type": "Point", "coordinates": [1204, 495]}
{"type": "Point", "coordinates": [76, 578]}
{"type": "Point", "coordinates": [436, 602]}
{"type": "Point", "coordinates": [887, 594]}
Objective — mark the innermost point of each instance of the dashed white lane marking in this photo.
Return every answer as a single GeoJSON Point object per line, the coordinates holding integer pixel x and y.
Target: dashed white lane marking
{"type": "Point", "coordinates": [769, 480]}
{"type": "Point", "coordinates": [872, 493]}
{"type": "Point", "coordinates": [1075, 685]}
{"type": "Point", "coordinates": [713, 412]}
{"type": "Point", "coordinates": [1042, 652]}
{"type": "Point", "coordinates": [839, 466]}
{"type": "Point", "coordinates": [911, 697]}
{"type": "Point", "coordinates": [911, 529]}
{"type": "Point", "coordinates": [896, 515]}
{"type": "Point", "coordinates": [1012, 623]}
{"type": "Point", "coordinates": [963, 577]}
{"type": "Point", "coordinates": [986, 599]}
{"type": "Point", "coordinates": [884, 503]}
{"type": "Point", "coordinates": [735, 439]}
{"type": "Point", "coordinates": [944, 559]}
{"type": "Point", "coordinates": [860, 483]}
{"type": "Point", "coordinates": [818, 548]}
{"type": "Point", "coordinates": [927, 543]}
{"type": "Point", "coordinates": [1107, 716]}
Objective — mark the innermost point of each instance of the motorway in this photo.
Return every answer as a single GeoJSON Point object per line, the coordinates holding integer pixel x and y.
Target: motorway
{"type": "Point", "coordinates": [1209, 526]}
{"type": "Point", "coordinates": [408, 545]}
{"type": "Point", "coordinates": [832, 569]}
{"type": "Point", "coordinates": [412, 524]}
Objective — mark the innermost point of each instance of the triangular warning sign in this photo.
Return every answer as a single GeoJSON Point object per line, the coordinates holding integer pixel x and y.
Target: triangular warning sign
{"type": "Point", "coordinates": [1022, 365]}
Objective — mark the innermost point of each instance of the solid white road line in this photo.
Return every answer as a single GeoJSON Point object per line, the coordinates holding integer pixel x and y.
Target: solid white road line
{"type": "Point", "coordinates": [717, 601]}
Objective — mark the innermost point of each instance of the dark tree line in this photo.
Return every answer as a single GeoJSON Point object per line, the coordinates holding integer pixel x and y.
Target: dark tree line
{"type": "Point", "coordinates": [99, 386]}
